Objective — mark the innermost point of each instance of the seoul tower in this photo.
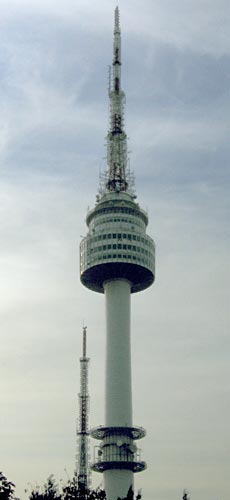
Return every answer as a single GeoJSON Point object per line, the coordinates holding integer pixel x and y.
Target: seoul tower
{"type": "Point", "coordinates": [117, 258]}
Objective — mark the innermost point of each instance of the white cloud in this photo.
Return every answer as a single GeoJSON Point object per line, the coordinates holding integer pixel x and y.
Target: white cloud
{"type": "Point", "coordinates": [201, 25]}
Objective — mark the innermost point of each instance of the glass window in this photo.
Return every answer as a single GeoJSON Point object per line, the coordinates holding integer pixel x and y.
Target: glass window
{"type": "Point", "coordinates": [134, 247]}
{"type": "Point", "coordinates": [104, 236]}
{"type": "Point", "coordinates": [114, 247]}
{"type": "Point", "coordinates": [114, 235]}
{"type": "Point", "coordinates": [129, 236]}
{"type": "Point", "coordinates": [109, 236]}
{"type": "Point", "coordinates": [124, 235]}
{"type": "Point", "coordinates": [134, 237]}
{"type": "Point", "coordinates": [119, 256]}
{"type": "Point", "coordinates": [124, 246]}
{"type": "Point", "coordinates": [119, 245]}
{"type": "Point", "coordinates": [119, 236]}
{"type": "Point", "coordinates": [129, 247]}
{"type": "Point", "coordinates": [109, 246]}
{"type": "Point", "coordinates": [104, 247]}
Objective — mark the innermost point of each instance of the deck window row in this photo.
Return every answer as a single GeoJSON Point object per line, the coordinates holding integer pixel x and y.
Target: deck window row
{"type": "Point", "coordinates": [121, 236]}
{"type": "Point", "coordinates": [119, 246]}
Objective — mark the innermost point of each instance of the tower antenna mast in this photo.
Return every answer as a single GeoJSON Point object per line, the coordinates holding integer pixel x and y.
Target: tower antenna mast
{"type": "Point", "coordinates": [82, 461]}
{"type": "Point", "coordinates": [116, 137]}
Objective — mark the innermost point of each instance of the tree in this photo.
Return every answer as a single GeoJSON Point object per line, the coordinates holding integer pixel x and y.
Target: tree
{"type": "Point", "coordinates": [6, 488]}
{"type": "Point", "coordinates": [48, 492]}
{"type": "Point", "coordinates": [130, 495]}
{"type": "Point", "coordinates": [185, 495]}
{"type": "Point", "coordinates": [73, 490]}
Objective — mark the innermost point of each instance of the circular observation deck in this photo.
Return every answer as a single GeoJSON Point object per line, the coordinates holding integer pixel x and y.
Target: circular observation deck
{"type": "Point", "coordinates": [117, 246]}
{"type": "Point", "coordinates": [117, 449]}
{"type": "Point", "coordinates": [134, 466]}
{"type": "Point", "coordinates": [102, 431]}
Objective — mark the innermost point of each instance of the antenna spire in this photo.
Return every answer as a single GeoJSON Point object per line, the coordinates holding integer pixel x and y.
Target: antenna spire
{"type": "Point", "coordinates": [84, 342]}
{"type": "Point", "coordinates": [117, 20]}
{"type": "Point", "coordinates": [116, 138]}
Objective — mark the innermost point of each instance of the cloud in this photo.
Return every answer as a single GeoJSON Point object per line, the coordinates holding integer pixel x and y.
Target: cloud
{"type": "Point", "coordinates": [53, 122]}
{"type": "Point", "coordinates": [201, 25]}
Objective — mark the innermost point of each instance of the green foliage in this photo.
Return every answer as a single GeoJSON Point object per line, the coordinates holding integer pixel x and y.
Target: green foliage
{"type": "Point", "coordinates": [48, 492]}
{"type": "Point", "coordinates": [75, 491]}
{"type": "Point", "coordinates": [6, 488]}
{"type": "Point", "coordinates": [71, 491]}
{"type": "Point", "coordinates": [130, 495]}
{"type": "Point", "coordinates": [185, 495]}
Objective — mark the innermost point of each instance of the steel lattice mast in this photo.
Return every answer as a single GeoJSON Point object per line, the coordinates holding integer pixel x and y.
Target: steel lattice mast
{"type": "Point", "coordinates": [82, 462]}
{"type": "Point", "coordinates": [117, 258]}
{"type": "Point", "coordinates": [116, 138]}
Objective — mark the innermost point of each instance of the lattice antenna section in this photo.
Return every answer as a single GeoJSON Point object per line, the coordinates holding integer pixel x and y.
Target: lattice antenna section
{"type": "Point", "coordinates": [131, 180]}
{"type": "Point", "coordinates": [116, 137]}
{"type": "Point", "coordinates": [117, 177]}
{"type": "Point", "coordinates": [82, 459]}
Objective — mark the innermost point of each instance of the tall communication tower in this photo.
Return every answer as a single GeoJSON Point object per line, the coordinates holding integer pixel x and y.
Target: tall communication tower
{"type": "Point", "coordinates": [117, 258]}
{"type": "Point", "coordinates": [82, 462]}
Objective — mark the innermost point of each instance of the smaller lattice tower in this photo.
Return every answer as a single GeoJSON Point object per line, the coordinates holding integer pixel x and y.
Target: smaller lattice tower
{"type": "Point", "coordinates": [82, 457]}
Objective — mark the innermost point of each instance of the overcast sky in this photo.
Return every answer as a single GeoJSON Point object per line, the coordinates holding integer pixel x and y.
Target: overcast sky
{"type": "Point", "coordinates": [53, 93]}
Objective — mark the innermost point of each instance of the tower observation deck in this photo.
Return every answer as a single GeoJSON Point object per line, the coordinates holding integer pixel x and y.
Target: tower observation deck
{"type": "Point", "coordinates": [117, 258]}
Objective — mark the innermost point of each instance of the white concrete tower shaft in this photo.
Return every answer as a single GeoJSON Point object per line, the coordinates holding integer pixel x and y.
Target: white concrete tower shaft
{"type": "Point", "coordinates": [118, 392]}
{"type": "Point", "coordinates": [117, 258]}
